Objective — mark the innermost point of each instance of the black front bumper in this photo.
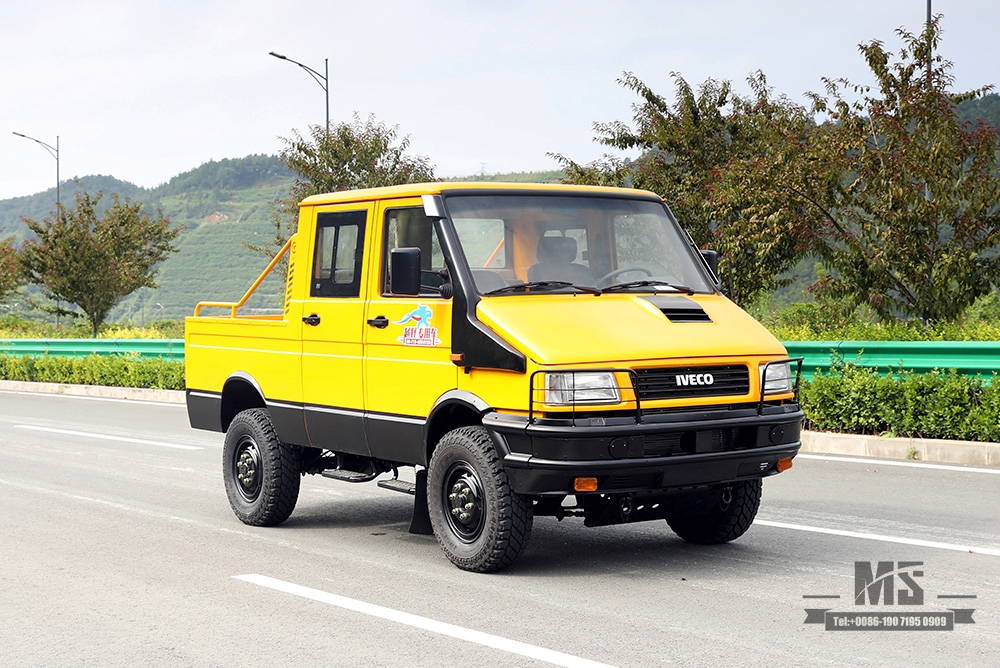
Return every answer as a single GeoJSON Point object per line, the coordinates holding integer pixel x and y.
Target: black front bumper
{"type": "Point", "coordinates": [694, 448]}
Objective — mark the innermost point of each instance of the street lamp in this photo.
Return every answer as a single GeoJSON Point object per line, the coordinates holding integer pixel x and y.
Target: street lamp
{"type": "Point", "coordinates": [929, 18]}
{"type": "Point", "coordinates": [54, 152]}
{"type": "Point", "coordinates": [322, 79]}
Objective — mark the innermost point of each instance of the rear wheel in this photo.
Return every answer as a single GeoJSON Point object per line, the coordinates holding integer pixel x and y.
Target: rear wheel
{"type": "Point", "coordinates": [728, 520]}
{"type": "Point", "coordinates": [479, 522]}
{"type": "Point", "coordinates": [260, 472]}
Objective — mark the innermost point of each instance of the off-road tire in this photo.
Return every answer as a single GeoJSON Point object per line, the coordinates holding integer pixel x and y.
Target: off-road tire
{"type": "Point", "coordinates": [464, 470]}
{"type": "Point", "coordinates": [261, 473]}
{"type": "Point", "coordinates": [724, 522]}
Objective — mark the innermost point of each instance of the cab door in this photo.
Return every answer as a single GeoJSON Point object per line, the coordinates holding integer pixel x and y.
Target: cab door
{"type": "Point", "coordinates": [333, 329]}
{"type": "Point", "coordinates": [407, 339]}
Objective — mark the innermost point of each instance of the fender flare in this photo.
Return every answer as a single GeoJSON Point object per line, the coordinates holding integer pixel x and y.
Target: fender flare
{"type": "Point", "coordinates": [245, 379]}
{"type": "Point", "coordinates": [449, 401]}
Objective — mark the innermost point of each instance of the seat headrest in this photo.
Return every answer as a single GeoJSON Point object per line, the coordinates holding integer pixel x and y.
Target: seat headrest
{"type": "Point", "coordinates": [556, 249]}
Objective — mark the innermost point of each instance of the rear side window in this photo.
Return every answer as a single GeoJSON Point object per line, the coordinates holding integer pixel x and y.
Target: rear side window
{"type": "Point", "coordinates": [337, 264]}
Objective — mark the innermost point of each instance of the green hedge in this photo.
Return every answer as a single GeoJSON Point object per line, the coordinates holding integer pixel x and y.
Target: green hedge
{"type": "Point", "coordinates": [115, 370]}
{"type": "Point", "coordinates": [938, 404]}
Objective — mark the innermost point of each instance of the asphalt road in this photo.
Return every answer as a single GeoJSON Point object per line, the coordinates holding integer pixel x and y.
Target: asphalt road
{"type": "Point", "coordinates": [118, 548]}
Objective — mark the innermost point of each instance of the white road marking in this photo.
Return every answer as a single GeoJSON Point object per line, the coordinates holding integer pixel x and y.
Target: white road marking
{"type": "Point", "coordinates": [432, 625]}
{"type": "Point", "coordinates": [886, 539]}
{"type": "Point", "coordinates": [889, 462]}
{"type": "Point", "coordinates": [107, 437]}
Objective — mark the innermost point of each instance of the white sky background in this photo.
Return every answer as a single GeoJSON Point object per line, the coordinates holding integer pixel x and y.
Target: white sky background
{"type": "Point", "coordinates": [145, 90]}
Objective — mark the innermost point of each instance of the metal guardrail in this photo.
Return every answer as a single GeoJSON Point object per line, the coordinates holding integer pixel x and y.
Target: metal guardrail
{"type": "Point", "coordinates": [168, 349]}
{"type": "Point", "coordinates": [968, 357]}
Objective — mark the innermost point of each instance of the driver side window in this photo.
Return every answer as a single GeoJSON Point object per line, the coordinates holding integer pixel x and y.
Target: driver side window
{"type": "Point", "coordinates": [411, 228]}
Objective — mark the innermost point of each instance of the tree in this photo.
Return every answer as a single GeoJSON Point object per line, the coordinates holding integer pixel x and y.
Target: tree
{"type": "Point", "coordinates": [93, 261]}
{"type": "Point", "coordinates": [913, 228]}
{"type": "Point", "coordinates": [701, 155]}
{"type": "Point", "coordinates": [348, 156]}
{"type": "Point", "coordinates": [11, 275]}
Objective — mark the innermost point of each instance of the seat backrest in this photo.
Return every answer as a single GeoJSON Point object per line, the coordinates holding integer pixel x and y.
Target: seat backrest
{"type": "Point", "coordinates": [556, 257]}
{"type": "Point", "coordinates": [487, 280]}
{"type": "Point", "coordinates": [561, 250]}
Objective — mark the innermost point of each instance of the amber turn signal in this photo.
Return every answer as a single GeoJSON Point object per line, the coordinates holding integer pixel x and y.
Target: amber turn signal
{"type": "Point", "coordinates": [584, 484]}
{"type": "Point", "coordinates": [784, 464]}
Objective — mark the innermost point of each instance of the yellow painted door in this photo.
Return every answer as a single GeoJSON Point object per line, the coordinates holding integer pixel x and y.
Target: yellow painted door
{"type": "Point", "coordinates": [407, 339]}
{"type": "Point", "coordinates": [333, 327]}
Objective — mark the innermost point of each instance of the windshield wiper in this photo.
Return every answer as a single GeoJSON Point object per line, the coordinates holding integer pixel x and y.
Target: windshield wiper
{"type": "Point", "coordinates": [546, 285]}
{"type": "Point", "coordinates": [648, 283]}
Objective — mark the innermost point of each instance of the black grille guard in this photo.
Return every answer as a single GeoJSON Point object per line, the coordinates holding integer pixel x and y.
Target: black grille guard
{"type": "Point", "coordinates": [634, 404]}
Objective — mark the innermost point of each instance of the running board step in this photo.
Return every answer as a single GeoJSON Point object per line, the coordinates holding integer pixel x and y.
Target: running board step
{"type": "Point", "coordinates": [346, 476]}
{"type": "Point", "coordinates": [397, 485]}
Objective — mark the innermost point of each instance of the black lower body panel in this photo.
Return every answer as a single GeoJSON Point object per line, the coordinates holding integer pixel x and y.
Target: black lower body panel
{"type": "Point", "coordinates": [530, 475]}
{"type": "Point", "coordinates": [662, 454]}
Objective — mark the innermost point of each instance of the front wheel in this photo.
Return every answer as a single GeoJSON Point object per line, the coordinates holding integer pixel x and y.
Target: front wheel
{"type": "Point", "coordinates": [728, 520]}
{"type": "Point", "coordinates": [261, 473]}
{"type": "Point", "coordinates": [479, 522]}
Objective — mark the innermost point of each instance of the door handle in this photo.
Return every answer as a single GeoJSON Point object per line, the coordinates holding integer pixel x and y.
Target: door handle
{"type": "Point", "coordinates": [379, 321]}
{"type": "Point", "coordinates": [311, 319]}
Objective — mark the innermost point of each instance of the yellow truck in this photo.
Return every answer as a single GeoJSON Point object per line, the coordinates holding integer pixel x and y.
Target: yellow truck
{"type": "Point", "coordinates": [529, 350]}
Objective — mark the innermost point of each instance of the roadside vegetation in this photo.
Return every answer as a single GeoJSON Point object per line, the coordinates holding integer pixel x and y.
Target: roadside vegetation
{"type": "Point", "coordinates": [112, 371]}
{"type": "Point", "coordinates": [894, 402]}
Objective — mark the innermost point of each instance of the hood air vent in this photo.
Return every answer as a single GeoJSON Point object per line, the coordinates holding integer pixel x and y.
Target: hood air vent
{"type": "Point", "coordinates": [678, 308]}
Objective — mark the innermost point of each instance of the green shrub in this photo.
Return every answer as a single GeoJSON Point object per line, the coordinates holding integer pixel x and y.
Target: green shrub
{"type": "Point", "coordinates": [938, 404]}
{"type": "Point", "coordinates": [114, 370]}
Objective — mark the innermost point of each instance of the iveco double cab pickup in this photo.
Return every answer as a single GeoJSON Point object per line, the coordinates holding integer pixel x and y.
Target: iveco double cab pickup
{"type": "Point", "coordinates": [528, 350]}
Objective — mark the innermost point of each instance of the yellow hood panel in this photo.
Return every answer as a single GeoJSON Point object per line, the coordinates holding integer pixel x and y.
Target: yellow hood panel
{"type": "Point", "coordinates": [585, 329]}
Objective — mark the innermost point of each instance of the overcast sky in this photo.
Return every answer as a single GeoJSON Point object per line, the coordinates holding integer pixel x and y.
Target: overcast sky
{"type": "Point", "coordinates": [145, 90]}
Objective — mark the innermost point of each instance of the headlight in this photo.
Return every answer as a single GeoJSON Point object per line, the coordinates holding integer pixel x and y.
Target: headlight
{"type": "Point", "coordinates": [776, 378]}
{"type": "Point", "coordinates": [587, 387]}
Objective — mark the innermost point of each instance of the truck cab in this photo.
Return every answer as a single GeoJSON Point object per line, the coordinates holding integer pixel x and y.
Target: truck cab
{"type": "Point", "coordinates": [526, 349]}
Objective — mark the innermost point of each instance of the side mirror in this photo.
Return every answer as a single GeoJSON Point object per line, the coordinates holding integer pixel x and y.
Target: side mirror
{"type": "Point", "coordinates": [404, 271]}
{"type": "Point", "coordinates": [712, 260]}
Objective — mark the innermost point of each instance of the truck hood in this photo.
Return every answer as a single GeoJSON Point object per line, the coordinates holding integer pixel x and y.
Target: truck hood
{"type": "Point", "coordinates": [583, 329]}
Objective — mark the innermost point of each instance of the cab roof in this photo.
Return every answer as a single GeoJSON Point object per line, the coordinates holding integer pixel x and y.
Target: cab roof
{"type": "Point", "coordinates": [442, 187]}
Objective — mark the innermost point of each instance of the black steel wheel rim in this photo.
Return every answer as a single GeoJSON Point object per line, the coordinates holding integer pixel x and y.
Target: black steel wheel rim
{"type": "Point", "coordinates": [463, 501]}
{"type": "Point", "coordinates": [246, 469]}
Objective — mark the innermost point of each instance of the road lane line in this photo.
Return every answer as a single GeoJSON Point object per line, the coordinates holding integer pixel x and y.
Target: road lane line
{"type": "Point", "coordinates": [888, 462]}
{"type": "Point", "coordinates": [432, 625]}
{"type": "Point", "coordinates": [107, 437]}
{"type": "Point", "coordinates": [886, 539]}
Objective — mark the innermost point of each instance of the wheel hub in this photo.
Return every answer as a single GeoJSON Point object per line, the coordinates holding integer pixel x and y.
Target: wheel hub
{"type": "Point", "coordinates": [247, 470]}
{"type": "Point", "coordinates": [464, 503]}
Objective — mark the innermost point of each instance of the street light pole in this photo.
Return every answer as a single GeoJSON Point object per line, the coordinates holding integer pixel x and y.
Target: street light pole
{"type": "Point", "coordinates": [322, 79]}
{"type": "Point", "coordinates": [928, 51]}
{"type": "Point", "coordinates": [54, 152]}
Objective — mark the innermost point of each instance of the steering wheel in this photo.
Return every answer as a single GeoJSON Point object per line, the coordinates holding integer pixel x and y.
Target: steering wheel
{"type": "Point", "coordinates": [608, 278]}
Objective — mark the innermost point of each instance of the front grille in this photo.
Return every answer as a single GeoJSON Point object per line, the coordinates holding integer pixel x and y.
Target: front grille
{"type": "Point", "coordinates": [692, 381]}
{"type": "Point", "coordinates": [692, 442]}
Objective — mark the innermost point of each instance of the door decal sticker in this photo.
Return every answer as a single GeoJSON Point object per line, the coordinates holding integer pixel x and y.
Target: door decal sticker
{"type": "Point", "coordinates": [421, 333]}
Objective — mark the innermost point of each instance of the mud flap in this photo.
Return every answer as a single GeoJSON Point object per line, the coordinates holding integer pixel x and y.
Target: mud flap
{"type": "Point", "coordinates": [421, 520]}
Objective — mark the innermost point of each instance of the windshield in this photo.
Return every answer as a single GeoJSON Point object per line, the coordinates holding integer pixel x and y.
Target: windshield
{"type": "Point", "coordinates": [527, 243]}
